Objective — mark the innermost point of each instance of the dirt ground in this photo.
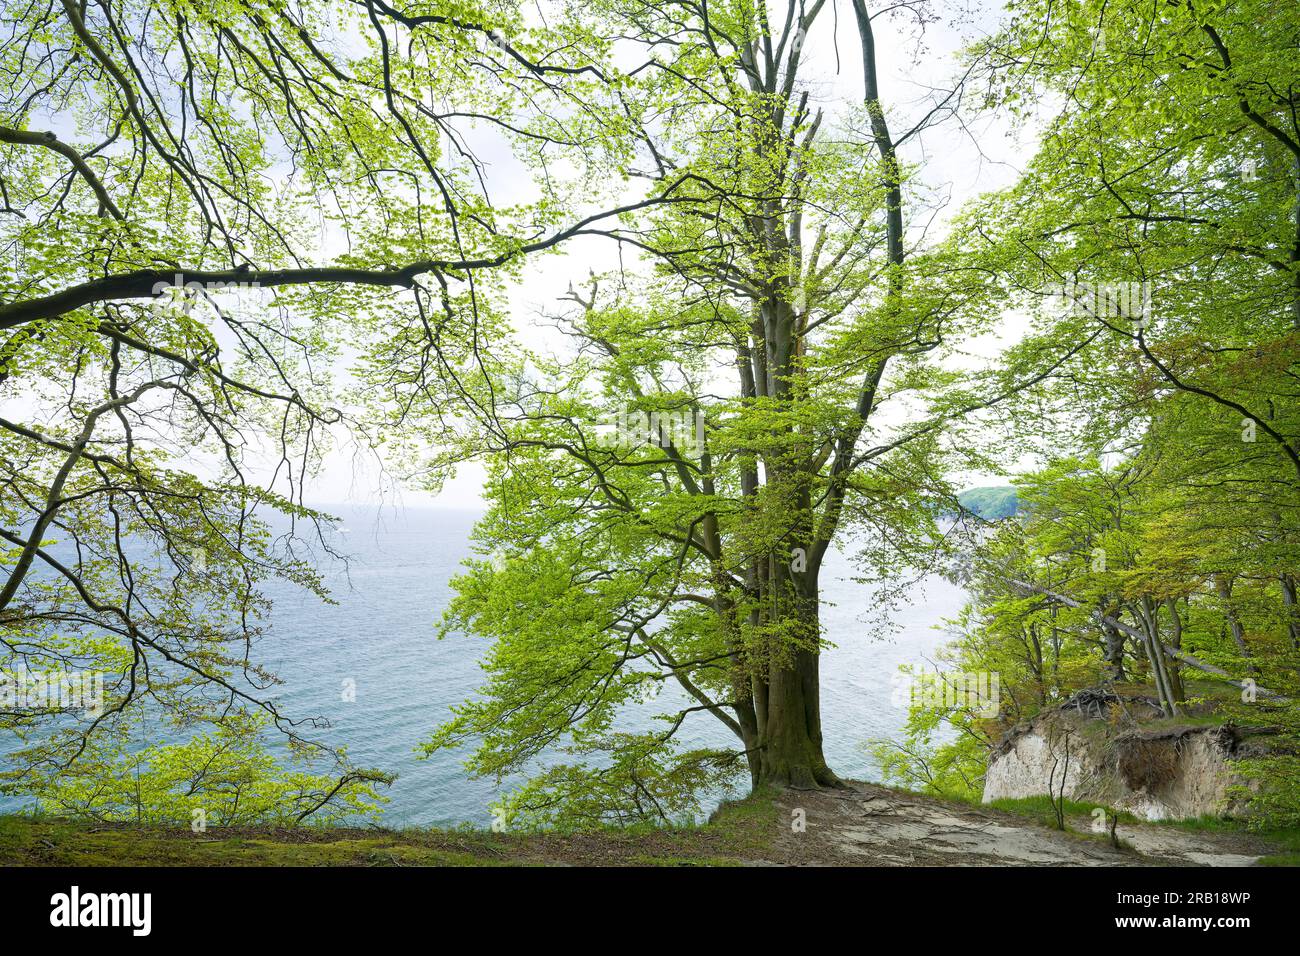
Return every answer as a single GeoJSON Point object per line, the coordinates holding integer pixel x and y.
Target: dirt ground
{"type": "Point", "coordinates": [875, 826]}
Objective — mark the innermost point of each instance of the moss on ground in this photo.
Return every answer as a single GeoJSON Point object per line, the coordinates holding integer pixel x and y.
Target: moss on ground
{"type": "Point", "coordinates": [753, 830]}
{"type": "Point", "coordinates": [739, 833]}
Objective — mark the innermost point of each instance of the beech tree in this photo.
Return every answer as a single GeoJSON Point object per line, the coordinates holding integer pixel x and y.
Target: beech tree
{"type": "Point", "coordinates": [665, 492]}
{"type": "Point", "coordinates": [1169, 534]}
{"type": "Point", "coordinates": [240, 232]}
{"type": "Point", "coordinates": [226, 228]}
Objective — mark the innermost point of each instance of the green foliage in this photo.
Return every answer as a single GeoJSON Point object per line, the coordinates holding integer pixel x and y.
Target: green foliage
{"type": "Point", "coordinates": [293, 170]}
{"type": "Point", "coordinates": [790, 320]}
{"type": "Point", "coordinates": [1168, 159]}
{"type": "Point", "coordinates": [1275, 790]}
{"type": "Point", "coordinates": [670, 576]}
{"type": "Point", "coordinates": [222, 778]}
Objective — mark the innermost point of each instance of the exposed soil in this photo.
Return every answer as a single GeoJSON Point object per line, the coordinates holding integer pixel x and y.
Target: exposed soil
{"type": "Point", "coordinates": [875, 826]}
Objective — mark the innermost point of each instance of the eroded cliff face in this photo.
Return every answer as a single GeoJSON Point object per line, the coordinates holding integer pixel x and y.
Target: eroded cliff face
{"type": "Point", "coordinates": [1095, 749]}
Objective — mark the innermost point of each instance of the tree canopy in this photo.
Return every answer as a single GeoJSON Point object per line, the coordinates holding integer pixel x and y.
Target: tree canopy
{"type": "Point", "coordinates": [244, 233]}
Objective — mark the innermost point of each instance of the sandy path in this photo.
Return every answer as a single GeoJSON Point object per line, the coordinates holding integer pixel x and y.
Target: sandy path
{"type": "Point", "coordinates": [875, 826]}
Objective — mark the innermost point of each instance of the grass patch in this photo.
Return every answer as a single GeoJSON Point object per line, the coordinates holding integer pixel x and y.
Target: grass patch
{"type": "Point", "coordinates": [1285, 840]}
{"type": "Point", "coordinates": [1039, 809]}
{"type": "Point", "coordinates": [739, 832]}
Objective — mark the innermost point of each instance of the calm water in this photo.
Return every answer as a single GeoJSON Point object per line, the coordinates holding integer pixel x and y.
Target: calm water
{"type": "Point", "coordinates": [381, 635]}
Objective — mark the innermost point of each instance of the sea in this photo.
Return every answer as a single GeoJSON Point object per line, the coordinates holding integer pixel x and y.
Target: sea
{"type": "Point", "coordinates": [372, 665]}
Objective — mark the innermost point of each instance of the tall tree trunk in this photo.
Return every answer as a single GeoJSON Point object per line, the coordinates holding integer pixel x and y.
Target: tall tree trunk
{"type": "Point", "coordinates": [1036, 664]}
{"type": "Point", "coordinates": [1292, 610]}
{"type": "Point", "coordinates": [791, 745]}
{"type": "Point", "coordinates": [1147, 615]}
{"type": "Point", "coordinates": [1113, 647]}
{"type": "Point", "coordinates": [1176, 642]}
{"type": "Point", "coordinates": [1223, 584]}
{"type": "Point", "coordinates": [786, 696]}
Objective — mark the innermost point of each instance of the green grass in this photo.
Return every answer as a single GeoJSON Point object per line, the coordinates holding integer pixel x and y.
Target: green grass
{"type": "Point", "coordinates": [1287, 840]}
{"type": "Point", "coordinates": [740, 832]}
{"type": "Point", "coordinates": [1039, 809]}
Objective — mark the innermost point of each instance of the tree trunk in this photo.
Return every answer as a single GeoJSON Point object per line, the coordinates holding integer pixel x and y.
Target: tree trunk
{"type": "Point", "coordinates": [1113, 649]}
{"type": "Point", "coordinates": [1292, 610]}
{"type": "Point", "coordinates": [787, 749]}
{"type": "Point", "coordinates": [1223, 584]}
{"type": "Point", "coordinates": [1155, 649]}
{"type": "Point", "coordinates": [791, 751]}
{"type": "Point", "coordinates": [1176, 642]}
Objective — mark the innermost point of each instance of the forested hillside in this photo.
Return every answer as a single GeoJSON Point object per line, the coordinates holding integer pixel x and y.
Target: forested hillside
{"type": "Point", "coordinates": [1161, 540]}
{"type": "Point", "coordinates": [991, 504]}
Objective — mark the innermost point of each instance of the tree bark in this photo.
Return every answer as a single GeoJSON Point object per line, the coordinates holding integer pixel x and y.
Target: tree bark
{"type": "Point", "coordinates": [1147, 614]}
{"type": "Point", "coordinates": [1292, 610]}
{"type": "Point", "coordinates": [1223, 584]}
{"type": "Point", "coordinates": [1176, 642]}
{"type": "Point", "coordinates": [1113, 648]}
{"type": "Point", "coordinates": [790, 752]}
